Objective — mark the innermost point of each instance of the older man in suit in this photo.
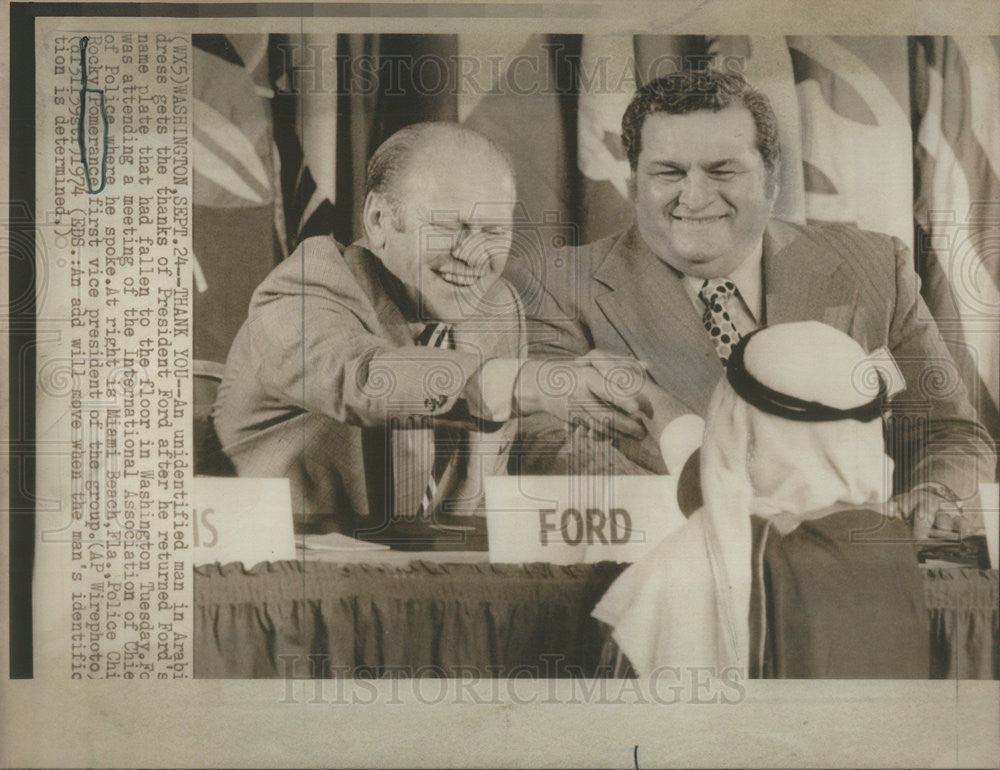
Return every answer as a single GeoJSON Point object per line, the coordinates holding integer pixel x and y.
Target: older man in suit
{"type": "Point", "coordinates": [380, 378]}
{"type": "Point", "coordinates": [705, 263]}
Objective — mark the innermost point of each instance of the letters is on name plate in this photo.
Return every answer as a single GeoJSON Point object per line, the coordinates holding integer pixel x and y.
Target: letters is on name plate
{"type": "Point", "coordinates": [239, 519]}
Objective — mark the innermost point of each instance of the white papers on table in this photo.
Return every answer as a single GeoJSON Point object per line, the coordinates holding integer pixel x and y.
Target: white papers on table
{"type": "Point", "coordinates": [334, 541]}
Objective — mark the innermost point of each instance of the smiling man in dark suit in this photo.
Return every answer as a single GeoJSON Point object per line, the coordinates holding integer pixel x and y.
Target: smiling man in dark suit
{"type": "Point", "coordinates": [705, 263]}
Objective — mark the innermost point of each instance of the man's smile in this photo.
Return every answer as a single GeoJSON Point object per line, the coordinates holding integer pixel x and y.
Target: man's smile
{"type": "Point", "coordinates": [462, 279]}
{"type": "Point", "coordinates": [698, 220]}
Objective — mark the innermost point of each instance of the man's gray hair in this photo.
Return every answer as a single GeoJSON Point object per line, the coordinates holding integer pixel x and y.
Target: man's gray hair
{"type": "Point", "coordinates": [388, 162]}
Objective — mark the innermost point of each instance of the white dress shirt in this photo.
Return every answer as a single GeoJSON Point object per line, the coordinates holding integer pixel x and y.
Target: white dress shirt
{"type": "Point", "coordinates": [748, 279]}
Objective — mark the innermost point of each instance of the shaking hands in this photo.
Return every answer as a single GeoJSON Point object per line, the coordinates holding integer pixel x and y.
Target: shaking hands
{"type": "Point", "coordinates": [601, 397]}
{"type": "Point", "coordinates": [607, 393]}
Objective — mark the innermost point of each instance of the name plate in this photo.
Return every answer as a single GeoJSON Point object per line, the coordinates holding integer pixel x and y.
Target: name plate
{"type": "Point", "coordinates": [578, 519]}
{"type": "Point", "coordinates": [247, 520]}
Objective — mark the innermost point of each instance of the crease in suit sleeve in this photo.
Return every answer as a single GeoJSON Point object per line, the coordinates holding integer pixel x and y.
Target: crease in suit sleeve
{"type": "Point", "coordinates": [332, 364]}
{"type": "Point", "coordinates": [552, 329]}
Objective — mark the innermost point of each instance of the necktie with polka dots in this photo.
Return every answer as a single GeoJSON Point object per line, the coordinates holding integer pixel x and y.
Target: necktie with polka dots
{"type": "Point", "coordinates": [716, 294]}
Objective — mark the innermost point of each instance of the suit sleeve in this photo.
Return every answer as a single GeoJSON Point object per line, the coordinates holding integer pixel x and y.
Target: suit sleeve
{"type": "Point", "coordinates": [548, 291]}
{"type": "Point", "coordinates": [934, 434]}
{"type": "Point", "coordinates": [556, 327]}
{"type": "Point", "coordinates": [317, 345]}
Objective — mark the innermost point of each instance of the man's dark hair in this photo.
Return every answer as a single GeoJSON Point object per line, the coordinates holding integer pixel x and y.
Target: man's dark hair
{"type": "Point", "coordinates": [692, 90]}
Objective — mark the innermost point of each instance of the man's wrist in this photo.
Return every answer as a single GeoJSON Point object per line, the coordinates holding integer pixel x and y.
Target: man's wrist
{"type": "Point", "coordinates": [938, 489]}
{"type": "Point", "coordinates": [523, 390]}
{"type": "Point", "coordinates": [496, 382]}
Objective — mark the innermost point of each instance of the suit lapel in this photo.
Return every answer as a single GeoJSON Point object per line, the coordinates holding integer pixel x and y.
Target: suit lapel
{"type": "Point", "coordinates": [397, 318]}
{"type": "Point", "coordinates": [644, 300]}
{"type": "Point", "coordinates": [803, 283]}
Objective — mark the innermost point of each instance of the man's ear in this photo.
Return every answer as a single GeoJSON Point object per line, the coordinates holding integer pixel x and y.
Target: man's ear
{"type": "Point", "coordinates": [631, 186]}
{"type": "Point", "coordinates": [376, 216]}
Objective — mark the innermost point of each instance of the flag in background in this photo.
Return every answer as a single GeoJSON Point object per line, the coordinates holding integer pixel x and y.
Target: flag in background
{"type": "Point", "coordinates": [956, 95]}
{"type": "Point", "coordinates": [526, 88]}
{"type": "Point", "coordinates": [316, 121]}
{"type": "Point", "coordinates": [234, 185]}
{"type": "Point", "coordinates": [304, 105]}
{"type": "Point", "coordinates": [857, 157]}
{"type": "Point", "coordinates": [521, 92]}
{"type": "Point", "coordinates": [606, 82]}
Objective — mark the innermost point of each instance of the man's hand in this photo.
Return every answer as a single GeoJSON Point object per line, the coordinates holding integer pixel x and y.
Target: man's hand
{"type": "Point", "coordinates": [657, 408]}
{"type": "Point", "coordinates": [931, 507]}
{"type": "Point", "coordinates": [576, 391]}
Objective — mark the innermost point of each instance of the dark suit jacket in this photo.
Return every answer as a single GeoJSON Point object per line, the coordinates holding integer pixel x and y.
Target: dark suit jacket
{"type": "Point", "coordinates": [325, 368]}
{"type": "Point", "coordinates": [616, 295]}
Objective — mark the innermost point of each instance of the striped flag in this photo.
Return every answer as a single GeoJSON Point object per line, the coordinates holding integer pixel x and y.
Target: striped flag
{"type": "Point", "coordinates": [607, 81]}
{"type": "Point", "coordinates": [304, 72]}
{"type": "Point", "coordinates": [957, 206]}
{"type": "Point", "coordinates": [516, 100]}
{"type": "Point", "coordinates": [234, 185]}
{"type": "Point", "coordinates": [856, 138]}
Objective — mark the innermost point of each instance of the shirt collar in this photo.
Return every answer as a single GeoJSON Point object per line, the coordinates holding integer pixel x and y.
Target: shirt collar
{"type": "Point", "coordinates": [746, 277]}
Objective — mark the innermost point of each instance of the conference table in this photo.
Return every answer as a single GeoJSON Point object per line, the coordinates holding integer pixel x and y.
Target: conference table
{"type": "Point", "coordinates": [454, 614]}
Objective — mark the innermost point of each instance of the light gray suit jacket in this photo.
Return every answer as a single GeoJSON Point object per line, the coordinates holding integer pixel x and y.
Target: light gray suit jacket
{"type": "Point", "coordinates": [616, 295]}
{"type": "Point", "coordinates": [325, 369]}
